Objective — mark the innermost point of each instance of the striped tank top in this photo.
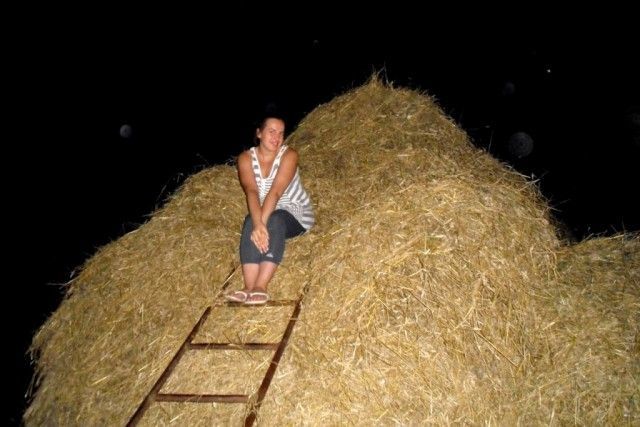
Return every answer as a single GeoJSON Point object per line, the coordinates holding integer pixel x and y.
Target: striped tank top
{"type": "Point", "coordinates": [294, 200]}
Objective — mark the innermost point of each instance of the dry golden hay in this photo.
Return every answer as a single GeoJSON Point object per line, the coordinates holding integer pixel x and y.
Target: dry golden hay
{"type": "Point", "coordinates": [436, 291]}
{"type": "Point", "coordinates": [587, 368]}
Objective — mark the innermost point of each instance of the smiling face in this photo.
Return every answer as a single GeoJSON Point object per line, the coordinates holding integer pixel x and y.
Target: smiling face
{"type": "Point", "coordinates": [271, 134]}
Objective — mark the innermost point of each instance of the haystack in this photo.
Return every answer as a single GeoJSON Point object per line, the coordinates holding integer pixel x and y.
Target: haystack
{"type": "Point", "coordinates": [435, 290]}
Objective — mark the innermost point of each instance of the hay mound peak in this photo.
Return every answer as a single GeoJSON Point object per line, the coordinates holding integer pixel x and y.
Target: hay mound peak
{"type": "Point", "coordinates": [434, 290]}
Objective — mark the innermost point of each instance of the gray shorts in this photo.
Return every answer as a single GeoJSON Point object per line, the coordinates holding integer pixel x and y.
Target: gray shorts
{"type": "Point", "coordinates": [281, 226]}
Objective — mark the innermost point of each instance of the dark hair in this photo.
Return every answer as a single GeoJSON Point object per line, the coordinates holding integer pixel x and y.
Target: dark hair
{"type": "Point", "coordinates": [271, 111]}
{"type": "Point", "coordinates": [264, 119]}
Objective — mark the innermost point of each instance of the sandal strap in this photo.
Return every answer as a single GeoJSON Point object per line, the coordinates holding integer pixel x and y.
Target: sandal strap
{"type": "Point", "coordinates": [237, 296]}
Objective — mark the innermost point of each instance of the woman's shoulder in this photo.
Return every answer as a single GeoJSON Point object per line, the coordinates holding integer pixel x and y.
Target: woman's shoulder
{"type": "Point", "coordinates": [290, 149]}
{"type": "Point", "coordinates": [244, 157]}
{"type": "Point", "coordinates": [246, 154]}
{"type": "Point", "coordinates": [290, 153]}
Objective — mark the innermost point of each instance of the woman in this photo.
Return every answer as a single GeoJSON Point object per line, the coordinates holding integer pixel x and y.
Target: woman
{"type": "Point", "coordinates": [279, 208]}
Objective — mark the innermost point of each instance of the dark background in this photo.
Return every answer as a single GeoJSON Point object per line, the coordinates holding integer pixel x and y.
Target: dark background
{"type": "Point", "coordinates": [191, 90]}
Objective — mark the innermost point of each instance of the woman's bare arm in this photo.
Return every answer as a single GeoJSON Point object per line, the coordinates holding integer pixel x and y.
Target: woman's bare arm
{"type": "Point", "coordinates": [286, 172]}
{"type": "Point", "coordinates": [259, 235]}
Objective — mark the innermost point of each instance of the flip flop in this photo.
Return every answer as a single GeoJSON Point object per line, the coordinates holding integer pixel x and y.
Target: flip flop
{"type": "Point", "coordinates": [237, 296]}
{"type": "Point", "coordinates": [260, 301]}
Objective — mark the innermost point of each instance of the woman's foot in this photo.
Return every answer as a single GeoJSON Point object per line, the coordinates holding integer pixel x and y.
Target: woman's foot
{"type": "Point", "coordinates": [237, 296]}
{"type": "Point", "coordinates": [257, 298]}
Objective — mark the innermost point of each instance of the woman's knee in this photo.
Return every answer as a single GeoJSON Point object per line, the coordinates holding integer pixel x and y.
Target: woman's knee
{"type": "Point", "coordinates": [247, 228]}
{"type": "Point", "coordinates": [247, 225]}
{"type": "Point", "coordinates": [276, 221]}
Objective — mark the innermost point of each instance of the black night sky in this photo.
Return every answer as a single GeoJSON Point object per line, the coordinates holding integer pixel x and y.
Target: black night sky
{"type": "Point", "coordinates": [190, 92]}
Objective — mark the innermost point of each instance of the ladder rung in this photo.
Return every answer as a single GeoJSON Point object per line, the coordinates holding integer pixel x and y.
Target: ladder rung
{"type": "Point", "coordinates": [202, 398]}
{"type": "Point", "coordinates": [234, 346]}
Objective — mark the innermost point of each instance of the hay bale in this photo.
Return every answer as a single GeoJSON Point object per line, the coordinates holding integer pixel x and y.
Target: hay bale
{"type": "Point", "coordinates": [419, 301]}
{"type": "Point", "coordinates": [132, 305]}
{"type": "Point", "coordinates": [587, 357]}
{"type": "Point", "coordinates": [432, 287]}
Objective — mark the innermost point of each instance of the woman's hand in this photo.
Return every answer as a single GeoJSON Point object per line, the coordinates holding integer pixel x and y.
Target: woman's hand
{"type": "Point", "coordinates": [260, 237]}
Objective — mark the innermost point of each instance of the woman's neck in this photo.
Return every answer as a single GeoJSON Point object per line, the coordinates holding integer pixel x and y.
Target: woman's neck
{"type": "Point", "coordinates": [266, 155]}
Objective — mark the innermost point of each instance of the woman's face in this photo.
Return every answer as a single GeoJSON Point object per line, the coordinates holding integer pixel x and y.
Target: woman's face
{"type": "Point", "coordinates": [271, 135]}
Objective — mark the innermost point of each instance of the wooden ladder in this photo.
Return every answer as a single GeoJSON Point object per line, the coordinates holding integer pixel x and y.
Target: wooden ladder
{"type": "Point", "coordinates": [188, 345]}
